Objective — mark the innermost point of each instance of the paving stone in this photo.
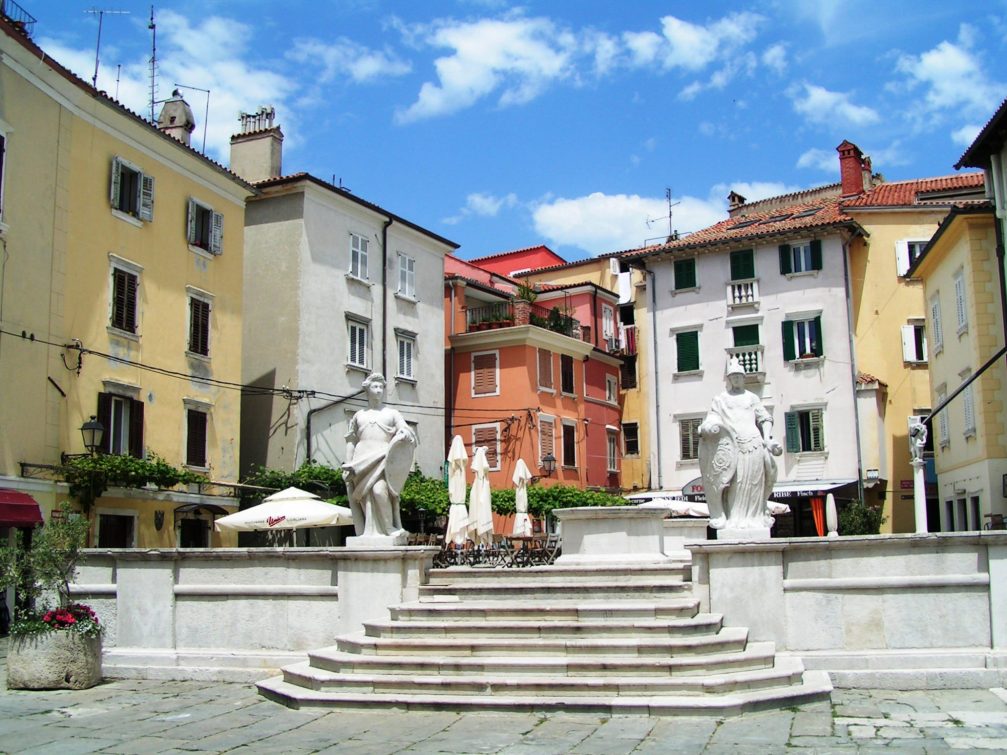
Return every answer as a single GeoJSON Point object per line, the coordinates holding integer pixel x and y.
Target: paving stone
{"type": "Point", "coordinates": [811, 724]}
{"type": "Point", "coordinates": [978, 743]}
{"type": "Point", "coordinates": [860, 731]}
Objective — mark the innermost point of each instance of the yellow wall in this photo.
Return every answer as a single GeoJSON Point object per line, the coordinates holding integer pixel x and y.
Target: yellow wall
{"type": "Point", "coordinates": [882, 303]}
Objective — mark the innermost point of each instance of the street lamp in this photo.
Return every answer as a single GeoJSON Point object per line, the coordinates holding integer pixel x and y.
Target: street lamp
{"type": "Point", "coordinates": [549, 464]}
{"type": "Point", "coordinates": [92, 432]}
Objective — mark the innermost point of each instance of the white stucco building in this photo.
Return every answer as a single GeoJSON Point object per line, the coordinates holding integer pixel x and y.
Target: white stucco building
{"type": "Point", "coordinates": [337, 288]}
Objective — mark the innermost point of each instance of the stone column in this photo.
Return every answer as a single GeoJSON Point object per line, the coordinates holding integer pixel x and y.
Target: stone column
{"type": "Point", "coordinates": [919, 495]}
{"type": "Point", "coordinates": [371, 580]}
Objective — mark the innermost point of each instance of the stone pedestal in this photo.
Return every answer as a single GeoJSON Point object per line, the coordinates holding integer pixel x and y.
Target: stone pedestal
{"type": "Point", "coordinates": [612, 534]}
{"type": "Point", "coordinates": [919, 495]}
{"type": "Point", "coordinates": [748, 533]}
{"type": "Point", "coordinates": [371, 580]}
{"type": "Point", "coordinates": [378, 541]}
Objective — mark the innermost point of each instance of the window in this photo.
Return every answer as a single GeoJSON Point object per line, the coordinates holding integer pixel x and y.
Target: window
{"type": "Point", "coordinates": [688, 430]}
{"type": "Point", "coordinates": [613, 451]}
{"type": "Point", "coordinates": [122, 418]}
{"type": "Point", "coordinates": [805, 431]}
{"type": "Point", "coordinates": [195, 438]}
{"type": "Point", "coordinates": [906, 253]}
{"type": "Point", "coordinates": [608, 327]}
{"type": "Point", "coordinates": [627, 372]}
{"type": "Point", "coordinates": [199, 326]}
{"type": "Point", "coordinates": [358, 256]}
{"type": "Point", "coordinates": [914, 342]}
{"type": "Point", "coordinates": [566, 374]}
{"type": "Point", "coordinates": [485, 378]}
{"type": "Point", "coordinates": [685, 274]}
{"type": "Point", "coordinates": [960, 308]}
{"type": "Point", "coordinates": [116, 530]}
{"type": "Point", "coordinates": [949, 515]}
{"type": "Point", "coordinates": [936, 329]}
{"type": "Point", "coordinates": [545, 381]}
{"type": "Point", "coordinates": [124, 293]}
{"type": "Point", "coordinates": [407, 276]}
{"type": "Point", "coordinates": [489, 436]}
{"type": "Point", "coordinates": [802, 338]}
{"type": "Point", "coordinates": [801, 258]}
{"type": "Point", "coordinates": [976, 512]}
{"type": "Point", "coordinates": [687, 351]}
{"type": "Point", "coordinates": [131, 192]}
{"type": "Point", "coordinates": [742, 265]}
{"type": "Point", "coordinates": [943, 428]}
{"type": "Point", "coordinates": [969, 408]}
{"type": "Point", "coordinates": [407, 350]}
{"type": "Point", "coordinates": [358, 335]}
{"type": "Point", "coordinates": [631, 438]}
{"type": "Point", "coordinates": [546, 437]}
{"type": "Point", "coordinates": [569, 444]}
{"type": "Point", "coordinates": [611, 388]}
{"type": "Point", "coordinates": [205, 227]}
{"type": "Point", "coordinates": [961, 519]}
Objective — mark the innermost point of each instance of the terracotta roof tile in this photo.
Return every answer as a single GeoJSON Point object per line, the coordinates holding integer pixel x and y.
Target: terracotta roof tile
{"type": "Point", "coordinates": [913, 193]}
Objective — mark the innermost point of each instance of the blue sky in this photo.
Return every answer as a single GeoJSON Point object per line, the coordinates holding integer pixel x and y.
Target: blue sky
{"type": "Point", "coordinates": [502, 126]}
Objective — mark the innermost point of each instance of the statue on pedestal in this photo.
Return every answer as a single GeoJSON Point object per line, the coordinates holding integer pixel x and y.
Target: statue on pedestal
{"type": "Point", "coordinates": [736, 450]}
{"type": "Point", "coordinates": [379, 454]}
{"type": "Point", "coordinates": [917, 440]}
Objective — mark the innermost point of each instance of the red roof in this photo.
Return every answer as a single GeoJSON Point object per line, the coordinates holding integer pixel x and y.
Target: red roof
{"type": "Point", "coordinates": [505, 263]}
{"type": "Point", "coordinates": [914, 193]}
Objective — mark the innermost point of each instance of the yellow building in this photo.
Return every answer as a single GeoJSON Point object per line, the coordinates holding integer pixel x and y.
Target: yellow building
{"type": "Point", "coordinates": [965, 330]}
{"type": "Point", "coordinates": [633, 333]}
{"type": "Point", "coordinates": [121, 298]}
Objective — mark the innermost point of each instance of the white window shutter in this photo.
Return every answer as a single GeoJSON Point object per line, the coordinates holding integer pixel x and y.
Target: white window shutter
{"type": "Point", "coordinates": [146, 197]}
{"type": "Point", "coordinates": [613, 265]}
{"type": "Point", "coordinates": [908, 343]}
{"type": "Point", "coordinates": [217, 233]}
{"type": "Point", "coordinates": [902, 256]}
{"type": "Point", "coordinates": [190, 225]}
{"type": "Point", "coordinates": [116, 182]}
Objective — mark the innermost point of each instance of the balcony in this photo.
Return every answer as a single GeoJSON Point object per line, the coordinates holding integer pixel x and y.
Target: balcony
{"type": "Point", "coordinates": [743, 293]}
{"type": "Point", "coordinates": [503, 315]}
{"type": "Point", "coordinates": [751, 359]}
{"type": "Point", "coordinates": [18, 16]}
{"type": "Point", "coordinates": [627, 339]}
{"type": "Point", "coordinates": [499, 315]}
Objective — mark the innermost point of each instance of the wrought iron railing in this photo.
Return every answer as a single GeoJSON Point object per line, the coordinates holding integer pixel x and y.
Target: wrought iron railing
{"type": "Point", "coordinates": [497, 315]}
{"type": "Point", "coordinates": [556, 320]}
{"type": "Point", "coordinates": [18, 16]}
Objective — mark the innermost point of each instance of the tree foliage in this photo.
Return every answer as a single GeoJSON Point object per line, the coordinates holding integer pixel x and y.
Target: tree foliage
{"type": "Point", "coordinates": [324, 481]}
{"type": "Point", "coordinates": [90, 476]}
{"type": "Point", "coordinates": [860, 518]}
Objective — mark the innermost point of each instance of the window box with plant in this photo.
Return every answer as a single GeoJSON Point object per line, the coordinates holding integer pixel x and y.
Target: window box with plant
{"type": "Point", "coordinates": [55, 644]}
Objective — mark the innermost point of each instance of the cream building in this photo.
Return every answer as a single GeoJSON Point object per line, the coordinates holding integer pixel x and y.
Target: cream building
{"type": "Point", "coordinates": [121, 299]}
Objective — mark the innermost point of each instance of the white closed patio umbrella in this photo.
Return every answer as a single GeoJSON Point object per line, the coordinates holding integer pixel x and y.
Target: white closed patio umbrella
{"type": "Point", "coordinates": [289, 509]}
{"type": "Point", "coordinates": [480, 501]}
{"type": "Point", "coordinates": [458, 513]}
{"type": "Point", "coordinates": [522, 476]}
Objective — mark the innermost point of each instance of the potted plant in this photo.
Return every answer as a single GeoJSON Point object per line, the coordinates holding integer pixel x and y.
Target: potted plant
{"type": "Point", "coordinates": [55, 644]}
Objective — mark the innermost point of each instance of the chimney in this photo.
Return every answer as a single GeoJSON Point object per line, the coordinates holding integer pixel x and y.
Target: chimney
{"type": "Point", "coordinates": [257, 151]}
{"type": "Point", "coordinates": [854, 169]}
{"type": "Point", "coordinates": [176, 119]}
{"type": "Point", "coordinates": [734, 202]}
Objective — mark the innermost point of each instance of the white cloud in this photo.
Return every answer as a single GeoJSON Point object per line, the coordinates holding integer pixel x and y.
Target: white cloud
{"type": "Point", "coordinates": [953, 77]}
{"type": "Point", "coordinates": [519, 56]}
{"type": "Point", "coordinates": [720, 78]}
{"type": "Point", "coordinates": [690, 46]}
{"type": "Point", "coordinates": [819, 159]}
{"type": "Point", "coordinates": [965, 135]}
{"type": "Point", "coordinates": [752, 191]}
{"type": "Point", "coordinates": [775, 58]}
{"type": "Point", "coordinates": [483, 205]}
{"type": "Point", "coordinates": [820, 105]}
{"type": "Point", "coordinates": [344, 57]}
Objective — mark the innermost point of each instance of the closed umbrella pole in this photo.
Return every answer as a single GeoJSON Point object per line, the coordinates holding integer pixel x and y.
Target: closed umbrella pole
{"type": "Point", "coordinates": [522, 476]}
{"type": "Point", "coordinates": [458, 513]}
{"type": "Point", "coordinates": [480, 500]}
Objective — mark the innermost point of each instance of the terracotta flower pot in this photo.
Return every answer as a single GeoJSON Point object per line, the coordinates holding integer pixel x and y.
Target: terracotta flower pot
{"type": "Point", "coordinates": [53, 660]}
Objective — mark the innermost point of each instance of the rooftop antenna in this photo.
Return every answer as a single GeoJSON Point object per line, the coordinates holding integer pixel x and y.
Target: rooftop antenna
{"type": "Point", "coordinates": [100, 13]}
{"type": "Point", "coordinates": [206, 118]}
{"type": "Point", "coordinates": [667, 196]}
{"type": "Point", "coordinates": [153, 63]}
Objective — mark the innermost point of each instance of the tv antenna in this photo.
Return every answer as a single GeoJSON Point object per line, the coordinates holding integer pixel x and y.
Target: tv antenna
{"type": "Point", "coordinates": [206, 118]}
{"type": "Point", "coordinates": [101, 13]}
{"type": "Point", "coordinates": [667, 196]}
{"type": "Point", "coordinates": [153, 63]}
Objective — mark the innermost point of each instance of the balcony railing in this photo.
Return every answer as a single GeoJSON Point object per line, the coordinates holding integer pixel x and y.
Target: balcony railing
{"type": "Point", "coordinates": [743, 292]}
{"type": "Point", "coordinates": [554, 319]}
{"type": "Point", "coordinates": [18, 16]}
{"type": "Point", "coordinates": [501, 315]}
{"type": "Point", "coordinates": [498, 315]}
{"type": "Point", "coordinates": [750, 358]}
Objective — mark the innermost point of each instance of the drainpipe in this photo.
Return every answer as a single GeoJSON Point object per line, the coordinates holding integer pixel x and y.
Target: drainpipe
{"type": "Point", "coordinates": [449, 404]}
{"type": "Point", "coordinates": [657, 381]}
{"type": "Point", "coordinates": [384, 297]}
{"type": "Point", "coordinates": [312, 412]}
{"type": "Point", "coordinates": [853, 370]}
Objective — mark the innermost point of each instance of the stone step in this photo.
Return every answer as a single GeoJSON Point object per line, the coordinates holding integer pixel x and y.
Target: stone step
{"type": "Point", "coordinates": [785, 672]}
{"type": "Point", "coordinates": [524, 590]}
{"type": "Point", "coordinates": [756, 655]}
{"type": "Point", "coordinates": [675, 570]}
{"type": "Point", "coordinates": [815, 686]}
{"type": "Point", "coordinates": [547, 628]}
{"type": "Point", "coordinates": [553, 610]}
{"type": "Point", "coordinates": [731, 638]}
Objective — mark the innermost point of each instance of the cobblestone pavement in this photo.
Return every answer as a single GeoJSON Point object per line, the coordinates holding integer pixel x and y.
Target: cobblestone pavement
{"type": "Point", "coordinates": [154, 717]}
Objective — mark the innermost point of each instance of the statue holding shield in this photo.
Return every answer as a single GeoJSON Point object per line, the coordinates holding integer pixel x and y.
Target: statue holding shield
{"type": "Point", "coordinates": [379, 454]}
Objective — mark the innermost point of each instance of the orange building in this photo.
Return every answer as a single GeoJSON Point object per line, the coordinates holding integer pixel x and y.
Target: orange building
{"type": "Point", "coordinates": [537, 380]}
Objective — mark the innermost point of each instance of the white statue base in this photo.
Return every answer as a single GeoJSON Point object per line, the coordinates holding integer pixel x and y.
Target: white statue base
{"type": "Point", "coordinates": [378, 541]}
{"type": "Point", "coordinates": [747, 533]}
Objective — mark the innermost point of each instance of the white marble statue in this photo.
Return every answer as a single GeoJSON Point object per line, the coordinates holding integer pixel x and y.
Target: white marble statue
{"type": "Point", "coordinates": [379, 454]}
{"type": "Point", "coordinates": [917, 440]}
{"type": "Point", "coordinates": [736, 450]}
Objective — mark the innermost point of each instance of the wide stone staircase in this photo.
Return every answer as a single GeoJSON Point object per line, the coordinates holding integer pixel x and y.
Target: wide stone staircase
{"type": "Point", "coordinates": [607, 639]}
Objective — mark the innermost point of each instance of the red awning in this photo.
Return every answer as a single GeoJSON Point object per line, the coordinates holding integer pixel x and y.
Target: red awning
{"type": "Point", "coordinates": [18, 509]}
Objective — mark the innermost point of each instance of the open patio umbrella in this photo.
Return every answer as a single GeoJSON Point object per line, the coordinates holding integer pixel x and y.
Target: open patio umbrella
{"type": "Point", "coordinates": [521, 478]}
{"type": "Point", "coordinates": [289, 509]}
{"type": "Point", "coordinates": [458, 514]}
{"type": "Point", "coordinates": [480, 502]}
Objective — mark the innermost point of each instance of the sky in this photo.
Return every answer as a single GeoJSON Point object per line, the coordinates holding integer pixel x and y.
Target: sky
{"type": "Point", "coordinates": [502, 126]}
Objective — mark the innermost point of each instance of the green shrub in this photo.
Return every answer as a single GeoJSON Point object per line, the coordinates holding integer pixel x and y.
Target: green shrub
{"type": "Point", "coordinates": [859, 518]}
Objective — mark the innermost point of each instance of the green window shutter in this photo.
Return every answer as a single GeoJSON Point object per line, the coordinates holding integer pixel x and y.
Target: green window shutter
{"type": "Point", "coordinates": [685, 274]}
{"type": "Point", "coordinates": [819, 344]}
{"type": "Point", "coordinates": [742, 264]}
{"type": "Point", "coordinates": [746, 335]}
{"type": "Point", "coordinates": [793, 432]}
{"type": "Point", "coordinates": [687, 345]}
{"type": "Point", "coordinates": [816, 254]}
{"type": "Point", "coordinates": [789, 354]}
{"type": "Point", "coordinates": [786, 263]}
